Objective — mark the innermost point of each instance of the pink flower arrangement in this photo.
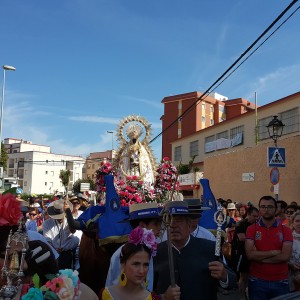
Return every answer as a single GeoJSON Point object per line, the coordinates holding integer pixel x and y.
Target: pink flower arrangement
{"type": "Point", "coordinates": [165, 179]}
{"type": "Point", "coordinates": [143, 236]}
{"type": "Point", "coordinates": [133, 191]}
{"type": "Point", "coordinates": [105, 168]}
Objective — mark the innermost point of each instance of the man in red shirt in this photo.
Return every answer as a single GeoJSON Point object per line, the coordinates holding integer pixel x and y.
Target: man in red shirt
{"type": "Point", "coordinates": [268, 246]}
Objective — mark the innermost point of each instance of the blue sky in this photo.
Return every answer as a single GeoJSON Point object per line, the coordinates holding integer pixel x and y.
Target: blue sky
{"type": "Point", "coordinates": [82, 65]}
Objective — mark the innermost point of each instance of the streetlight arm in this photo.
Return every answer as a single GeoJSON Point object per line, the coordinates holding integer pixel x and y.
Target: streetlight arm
{"type": "Point", "coordinates": [9, 68]}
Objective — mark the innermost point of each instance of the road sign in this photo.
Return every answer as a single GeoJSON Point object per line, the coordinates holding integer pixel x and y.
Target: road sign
{"type": "Point", "coordinates": [276, 157]}
{"type": "Point", "coordinates": [84, 186]}
{"type": "Point", "coordinates": [274, 176]}
{"type": "Point", "coordinates": [19, 190]}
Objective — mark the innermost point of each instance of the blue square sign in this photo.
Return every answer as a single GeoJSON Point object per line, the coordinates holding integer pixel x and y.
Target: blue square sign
{"type": "Point", "coordinates": [276, 157]}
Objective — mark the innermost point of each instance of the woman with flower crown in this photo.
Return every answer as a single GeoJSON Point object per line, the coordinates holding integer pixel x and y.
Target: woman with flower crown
{"type": "Point", "coordinates": [134, 258]}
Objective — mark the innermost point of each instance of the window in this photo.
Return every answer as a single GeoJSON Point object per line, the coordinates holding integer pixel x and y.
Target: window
{"type": "Point", "coordinates": [51, 184]}
{"type": "Point", "coordinates": [290, 119]}
{"type": "Point", "coordinates": [179, 132]}
{"type": "Point", "coordinates": [210, 144]}
{"type": "Point", "coordinates": [203, 119]}
{"type": "Point", "coordinates": [52, 173]}
{"type": "Point", "coordinates": [46, 172]}
{"type": "Point", "coordinates": [212, 122]}
{"type": "Point", "coordinates": [209, 139]}
{"type": "Point", "coordinates": [221, 108]}
{"type": "Point", "coordinates": [25, 183]}
{"type": "Point", "coordinates": [203, 106]}
{"type": "Point", "coordinates": [212, 109]}
{"type": "Point", "coordinates": [45, 183]}
{"type": "Point", "coordinates": [262, 128]}
{"type": "Point", "coordinates": [177, 154]}
{"type": "Point", "coordinates": [223, 134]}
{"type": "Point", "coordinates": [193, 148]}
{"type": "Point", "coordinates": [236, 130]}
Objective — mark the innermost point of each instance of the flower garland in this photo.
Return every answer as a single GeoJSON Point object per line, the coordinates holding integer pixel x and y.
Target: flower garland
{"type": "Point", "coordinates": [165, 180]}
{"type": "Point", "coordinates": [141, 235]}
{"type": "Point", "coordinates": [106, 168]}
{"type": "Point", "coordinates": [133, 191]}
{"type": "Point", "coordinates": [64, 286]}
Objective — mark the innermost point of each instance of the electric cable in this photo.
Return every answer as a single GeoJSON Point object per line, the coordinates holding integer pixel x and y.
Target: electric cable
{"type": "Point", "coordinates": [231, 67]}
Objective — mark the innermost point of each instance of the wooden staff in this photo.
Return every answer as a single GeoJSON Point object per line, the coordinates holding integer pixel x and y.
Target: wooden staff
{"type": "Point", "coordinates": [167, 219]}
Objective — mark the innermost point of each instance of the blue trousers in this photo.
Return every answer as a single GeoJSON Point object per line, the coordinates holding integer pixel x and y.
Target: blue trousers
{"type": "Point", "coordinates": [260, 289]}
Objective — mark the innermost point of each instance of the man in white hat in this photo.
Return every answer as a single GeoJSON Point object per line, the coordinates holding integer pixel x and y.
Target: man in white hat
{"type": "Point", "coordinates": [58, 234]}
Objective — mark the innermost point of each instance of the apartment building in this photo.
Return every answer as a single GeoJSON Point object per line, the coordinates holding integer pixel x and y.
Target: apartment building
{"type": "Point", "coordinates": [93, 162]}
{"type": "Point", "coordinates": [231, 149]}
{"type": "Point", "coordinates": [37, 169]}
{"type": "Point", "coordinates": [211, 110]}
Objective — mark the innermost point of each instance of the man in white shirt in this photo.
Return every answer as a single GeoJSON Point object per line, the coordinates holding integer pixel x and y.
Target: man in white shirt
{"type": "Point", "coordinates": [57, 233]}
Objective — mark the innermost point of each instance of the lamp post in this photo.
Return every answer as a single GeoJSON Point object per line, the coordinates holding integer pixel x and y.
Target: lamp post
{"type": "Point", "coordinates": [112, 143]}
{"type": "Point", "coordinates": [5, 68]}
{"type": "Point", "coordinates": [275, 128]}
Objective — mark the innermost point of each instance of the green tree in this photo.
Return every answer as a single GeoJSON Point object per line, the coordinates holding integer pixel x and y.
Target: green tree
{"type": "Point", "coordinates": [187, 168]}
{"type": "Point", "coordinates": [64, 176]}
{"type": "Point", "coordinates": [76, 185]}
{"type": "Point", "coordinates": [4, 157]}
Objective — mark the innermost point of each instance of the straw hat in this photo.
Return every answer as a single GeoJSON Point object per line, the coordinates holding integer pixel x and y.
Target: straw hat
{"type": "Point", "coordinates": [56, 209]}
{"type": "Point", "coordinates": [231, 206]}
{"type": "Point", "coordinates": [139, 211]}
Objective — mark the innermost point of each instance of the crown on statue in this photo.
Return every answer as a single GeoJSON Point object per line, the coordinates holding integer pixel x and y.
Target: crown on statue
{"type": "Point", "coordinates": [134, 131]}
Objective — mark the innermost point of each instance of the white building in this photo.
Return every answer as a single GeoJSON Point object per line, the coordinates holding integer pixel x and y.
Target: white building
{"type": "Point", "coordinates": [37, 169]}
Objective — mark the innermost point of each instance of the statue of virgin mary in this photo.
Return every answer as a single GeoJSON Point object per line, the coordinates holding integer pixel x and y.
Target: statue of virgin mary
{"type": "Point", "coordinates": [134, 156]}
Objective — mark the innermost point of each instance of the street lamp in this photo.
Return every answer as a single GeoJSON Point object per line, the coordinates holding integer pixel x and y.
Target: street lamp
{"type": "Point", "coordinates": [5, 68]}
{"type": "Point", "coordinates": [112, 143]}
{"type": "Point", "coordinates": [275, 128]}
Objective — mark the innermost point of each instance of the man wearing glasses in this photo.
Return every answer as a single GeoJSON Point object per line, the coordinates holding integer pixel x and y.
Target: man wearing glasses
{"type": "Point", "coordinates": [268, 246]}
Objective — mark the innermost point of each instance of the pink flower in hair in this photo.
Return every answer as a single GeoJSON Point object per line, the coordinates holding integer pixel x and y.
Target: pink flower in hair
{"type": "Point", "coordinates": [136, 235]}
{"type": "Point", "coordinates": [148, 238]}
{"type": "Point", "coordinates": [143, 236]}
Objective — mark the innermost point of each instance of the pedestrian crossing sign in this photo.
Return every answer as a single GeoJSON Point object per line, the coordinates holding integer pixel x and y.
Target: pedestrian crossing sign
{"type": "Point", "coordinates": [276, 157]}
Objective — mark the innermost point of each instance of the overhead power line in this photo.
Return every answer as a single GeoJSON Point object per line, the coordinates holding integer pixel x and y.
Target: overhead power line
{"type": "Point", "coordinates": [223, 77]}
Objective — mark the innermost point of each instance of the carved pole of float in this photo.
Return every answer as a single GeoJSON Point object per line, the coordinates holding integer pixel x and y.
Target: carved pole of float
{"type": "Point", "coordinates": [220, 219]}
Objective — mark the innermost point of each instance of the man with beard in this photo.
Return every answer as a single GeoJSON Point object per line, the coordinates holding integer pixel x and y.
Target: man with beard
{"type": "Point", "coordinates": [268, 246]}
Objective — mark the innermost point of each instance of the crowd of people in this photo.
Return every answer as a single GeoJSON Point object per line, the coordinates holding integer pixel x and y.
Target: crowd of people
{"type": "Point", "coordinates": [164, 259]}
{"type": "Point", "coordinates": [263, 246]}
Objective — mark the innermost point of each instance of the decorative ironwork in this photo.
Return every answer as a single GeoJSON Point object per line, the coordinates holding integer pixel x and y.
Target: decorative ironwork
{"type": "Point", "coordinates": [13, 266]}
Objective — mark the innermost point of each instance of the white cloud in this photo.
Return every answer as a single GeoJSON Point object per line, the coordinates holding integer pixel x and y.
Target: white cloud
{"type": "Point", "coordinates": [279, 83]}
{"type": "Point", "coordinates": [94, 119]}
